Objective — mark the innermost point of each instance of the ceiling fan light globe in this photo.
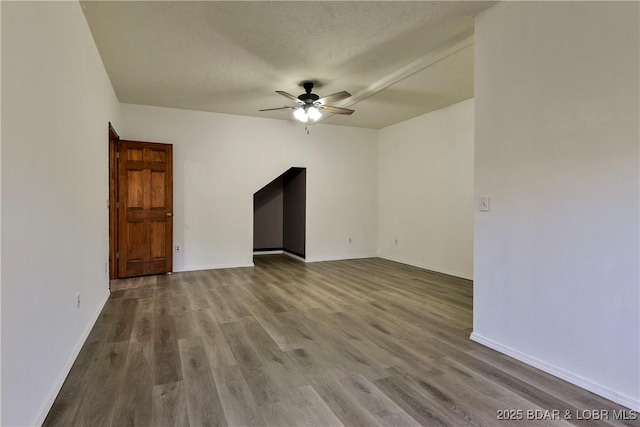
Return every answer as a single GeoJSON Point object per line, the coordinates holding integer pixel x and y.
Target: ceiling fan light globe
{"type": "Point", "coordinates": [314, 114]}
{"type": "Point", "coordinates": [301, 115]}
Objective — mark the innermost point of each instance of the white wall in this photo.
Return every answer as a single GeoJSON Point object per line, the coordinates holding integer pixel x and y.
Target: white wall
{"type": "Point", "coordinates": [557, 150]}
{"type": "Point", "coordinates": [57, 101]}
{"type": "Point", "coordinates": [221, 160]}
{"type": "Point", "coordinates": [0, 221]}
{"type": "Point", "coordinates": [426, 191]}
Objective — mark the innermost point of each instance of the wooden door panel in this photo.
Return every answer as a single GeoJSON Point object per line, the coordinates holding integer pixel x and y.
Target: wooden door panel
{"type": "Point", "coordinates": [146, 196]}
{"type": "Point", "coordinates": [134, 154]}
{"type": "Point", "coordinates": [158, 156]}
{"type": "Point", "coordinates": [157, 242]}
{"type": "Point", "coordinates": [157, 190]}
{"type": "Point", "coordinates": [135, 240]}
{"type": "Point", "coordinates": [134, 193]}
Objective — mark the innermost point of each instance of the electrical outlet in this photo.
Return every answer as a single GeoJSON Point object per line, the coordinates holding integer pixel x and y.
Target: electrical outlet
{"type": "Point", "coordinates": [78, 300]}
{"type": "Point", "coordinates": [178, 248]}
{"type": "Point", "coordinates": [349, 240]}
{"type": "Point", "coordinates": [484, 204]}
{"type": "Point", "coordinates": [396, 242]}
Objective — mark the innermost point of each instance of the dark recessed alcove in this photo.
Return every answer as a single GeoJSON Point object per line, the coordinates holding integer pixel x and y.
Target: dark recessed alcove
{"type": "Point", "coordinates": [279, 214]}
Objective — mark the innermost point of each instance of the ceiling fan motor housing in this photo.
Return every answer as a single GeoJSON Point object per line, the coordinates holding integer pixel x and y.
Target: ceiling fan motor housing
{"type": "Point", "coordinates": [308, 97]}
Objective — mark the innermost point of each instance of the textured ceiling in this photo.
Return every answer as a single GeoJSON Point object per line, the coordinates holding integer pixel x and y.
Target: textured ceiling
{"type": "Point", "coordinates": [398, 59]}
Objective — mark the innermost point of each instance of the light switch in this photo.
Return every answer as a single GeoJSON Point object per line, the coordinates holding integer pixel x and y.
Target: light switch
{"type": "Point", "coordinates": [484, 204]}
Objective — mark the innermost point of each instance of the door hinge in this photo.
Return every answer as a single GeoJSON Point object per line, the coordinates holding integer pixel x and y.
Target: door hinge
{"type": "Point", "coordinates": [117, 205]}
{"type": "Point", "coordinates": [117, 154]}
{"type": "Point", "coordinates": [117, 255]}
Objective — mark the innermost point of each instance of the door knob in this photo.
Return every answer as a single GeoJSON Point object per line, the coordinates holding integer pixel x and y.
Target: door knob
{"type": "Point", "coordinates": [169, 213]}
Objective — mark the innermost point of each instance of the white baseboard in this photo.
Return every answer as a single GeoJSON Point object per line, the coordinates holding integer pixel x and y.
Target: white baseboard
{"type": "Point", "coordinates": [340, 258]}
{"type": "Point", "coordinates": [296, 257]}
{"type": "Point", "coordinates": [427, 267]}
{"type": "Point", "coordinates": [279, 251]}
{"type": "Point", "coordinates": [210, 267]}
{"type": "Point", "coordinates": [317, 259]}
{"type": "Point", "coordinates": [67, 367]}
{"type": "Point", "coordinates": [570, 377]}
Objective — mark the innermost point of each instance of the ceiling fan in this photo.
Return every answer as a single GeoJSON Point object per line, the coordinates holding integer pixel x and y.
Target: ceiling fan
{"type": "Point", "coordinates": [311, 106]}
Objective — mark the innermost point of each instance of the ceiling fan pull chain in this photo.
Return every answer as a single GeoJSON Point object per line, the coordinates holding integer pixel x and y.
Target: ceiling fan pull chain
{"type": "Point", "coordinates": [307, 129]}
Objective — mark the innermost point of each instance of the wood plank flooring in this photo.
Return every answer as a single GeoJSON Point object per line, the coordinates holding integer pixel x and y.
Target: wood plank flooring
{"type": "Point", "coordinates": [345, 343]}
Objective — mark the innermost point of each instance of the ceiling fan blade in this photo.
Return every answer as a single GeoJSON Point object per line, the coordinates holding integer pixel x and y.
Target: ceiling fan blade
{"type": "Point", "coordinates": [288, 95]}
{"type": "Point", "coordinates": [336, 110]}
{"type": "Point", "coordinates": [333, 98]}
{"type": "Point", "coordinates": [279, 108]}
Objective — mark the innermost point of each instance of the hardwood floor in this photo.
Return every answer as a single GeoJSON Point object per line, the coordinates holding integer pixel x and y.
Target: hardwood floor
{"type": "Point", "coordinates": [355, 343]}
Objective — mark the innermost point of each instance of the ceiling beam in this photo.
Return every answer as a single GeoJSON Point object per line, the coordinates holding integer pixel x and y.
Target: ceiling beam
{"type": "Point", "coordinates": [431, 58]}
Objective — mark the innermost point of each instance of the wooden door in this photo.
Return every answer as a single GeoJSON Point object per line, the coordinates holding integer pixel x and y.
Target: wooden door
{"type": "Point", "coordinates": [145, 195]}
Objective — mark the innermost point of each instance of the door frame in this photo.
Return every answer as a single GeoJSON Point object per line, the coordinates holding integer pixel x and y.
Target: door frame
{"type": "Point", "coordinates": [114, 140]}
{"type": "Point", "coordinates": [114, 204]}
